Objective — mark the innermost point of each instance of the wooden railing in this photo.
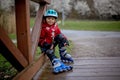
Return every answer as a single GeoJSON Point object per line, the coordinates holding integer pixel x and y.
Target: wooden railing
{"type": "Point", "coordinates": [22, 57]}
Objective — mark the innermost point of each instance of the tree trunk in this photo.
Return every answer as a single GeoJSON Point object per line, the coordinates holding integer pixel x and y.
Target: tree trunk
{"type": "Point", "coordinates": [94, 12]}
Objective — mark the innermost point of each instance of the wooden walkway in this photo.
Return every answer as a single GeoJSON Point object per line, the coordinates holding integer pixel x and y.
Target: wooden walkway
{"type": "Point", "coordinates": [85, 68]}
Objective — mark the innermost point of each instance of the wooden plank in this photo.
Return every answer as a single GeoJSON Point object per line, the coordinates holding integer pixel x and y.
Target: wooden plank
{"type": "Point", "coordinates": [7, 54]}
{"type": "Point", "coordinates": [67, 75]}
{"type": "Point", "coordinates": [36, 76]}
{"type": "Point", "coordinates": [39, 1]}
{"type": "Point", "coordinates": [37, 28]}
{"type": "Point", "coordinates": [90, 66]}
{"type": "Point", "coordinates": [29, 72]}
{"type": "Point", "coordinates": [79, 74]}
{"type": "Point", "coordinates": [88, 78]}
{"type": "Point", "coordinates": [97, 58]}
{"type": "Point", "coordinates": [85, 72]}
{"type": "Point", "coordinates": [94, 69]}
{"type": "Point", "coordinates": [97, 66]}
{"type": "Point", "coordinates": [83, 62]}
{"type": "Point", "coordinates": [23, 28]}
{"type": "Point", "coordinates": [79, 78]}
{"type": "Point", "coordinates": [100, 74]}
{"type": "Point", "coordinates": [4, 38]}
{"type": "Point", "coordinates": [90, 69]}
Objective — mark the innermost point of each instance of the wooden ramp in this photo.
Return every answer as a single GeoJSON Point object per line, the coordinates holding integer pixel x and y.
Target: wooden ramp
{"type": "Point", "coordinates": [85, 68]}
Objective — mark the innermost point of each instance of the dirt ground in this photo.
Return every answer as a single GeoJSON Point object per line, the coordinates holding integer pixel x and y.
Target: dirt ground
{"type": "Point", "coordinates": [94, 43]}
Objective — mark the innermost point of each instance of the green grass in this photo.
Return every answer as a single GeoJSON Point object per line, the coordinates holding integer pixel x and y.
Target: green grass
{"type": "Point", "coordinates": [12, 36]}
{"type": "Point", "coordinates": [32, 21]}
{"type": "Point", "coordinates": [87, 25]}
{"type": "Point", "coordinates": [6, 69]}
{"type": "Point", "coordinates": [92, 25]}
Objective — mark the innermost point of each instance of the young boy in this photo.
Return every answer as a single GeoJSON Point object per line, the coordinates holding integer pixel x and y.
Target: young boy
{"type": "Point", "coordinates": [50, 37]}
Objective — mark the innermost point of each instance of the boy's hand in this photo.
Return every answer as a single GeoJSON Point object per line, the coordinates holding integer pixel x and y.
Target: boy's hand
{"type": "Point", "coordinates": [66, 43]}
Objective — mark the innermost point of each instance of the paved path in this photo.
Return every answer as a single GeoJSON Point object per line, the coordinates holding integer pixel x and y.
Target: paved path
{"type": "Point", "coordinates": [96, 55]}
{"type": "Point", "coordinates": [94, 43]}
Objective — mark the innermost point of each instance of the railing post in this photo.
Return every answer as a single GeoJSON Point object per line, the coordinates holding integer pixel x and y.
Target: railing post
{"type": "Point", "coordinates": [23, 28]}
{"type": "Point", "coordinates": [37, 27]}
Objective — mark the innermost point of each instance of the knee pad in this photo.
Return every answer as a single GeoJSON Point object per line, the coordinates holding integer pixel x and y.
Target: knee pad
{"type": "Point", "coordinates": [62, 50]}
{"type": "Point", "coordinates": [61, 39]}
{"type": "Point", "coordinates": [50, 51]}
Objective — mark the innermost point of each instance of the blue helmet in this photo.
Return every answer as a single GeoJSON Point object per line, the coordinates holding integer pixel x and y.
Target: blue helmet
{"type": "Point", "coordinates": [51, 12]}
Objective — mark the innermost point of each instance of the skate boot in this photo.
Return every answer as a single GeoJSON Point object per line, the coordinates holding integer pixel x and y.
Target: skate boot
{"type": "Point", "coordinates": [59, 67]}
{"type": "Point", "coordinates": [65, 57]}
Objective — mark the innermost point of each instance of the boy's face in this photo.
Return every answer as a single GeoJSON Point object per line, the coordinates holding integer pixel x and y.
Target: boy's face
{"type": "Point", "coordinates": [50, 20]}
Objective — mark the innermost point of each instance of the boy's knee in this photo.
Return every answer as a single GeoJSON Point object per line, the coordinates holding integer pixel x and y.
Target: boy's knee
{"type": "Point", "coordinates": [62, 49]}
{"type": "Point", "coordinates": [59, 37]}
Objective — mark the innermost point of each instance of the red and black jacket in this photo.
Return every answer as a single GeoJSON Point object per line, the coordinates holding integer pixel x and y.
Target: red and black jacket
{"type": "Point", "coordinates": [46, 34]}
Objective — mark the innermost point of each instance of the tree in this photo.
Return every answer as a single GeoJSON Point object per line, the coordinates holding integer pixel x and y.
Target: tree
{"type": "Point", "coordinates": [7, 16]}
{"type": "Point", "coordinates": [93, 11]}
{"type": "Point", "coordinates": [115, 9]}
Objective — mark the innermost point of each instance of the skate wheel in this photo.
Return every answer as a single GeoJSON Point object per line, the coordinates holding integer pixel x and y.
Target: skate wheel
{"type": "Point", "coordinates": [70, 68]}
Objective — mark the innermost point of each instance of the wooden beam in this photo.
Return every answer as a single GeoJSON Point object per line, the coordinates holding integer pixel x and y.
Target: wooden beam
{"type": "Point", "coordinates": [9, 48]}
{"type": "Point", "coordinates": [30, 71]}
{"type": "Point", "coordinates": [37, 27]}
{"type": "Point", "coordinates": [7, 54]}
{"type": "Point", "coordinates": [23, 28]}
{"type": "Point", "coordinates": [39, 1]}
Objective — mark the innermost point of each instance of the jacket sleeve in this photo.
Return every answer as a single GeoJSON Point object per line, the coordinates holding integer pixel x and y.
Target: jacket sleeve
{"type": "Point", "coordinates": [58, 31]}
